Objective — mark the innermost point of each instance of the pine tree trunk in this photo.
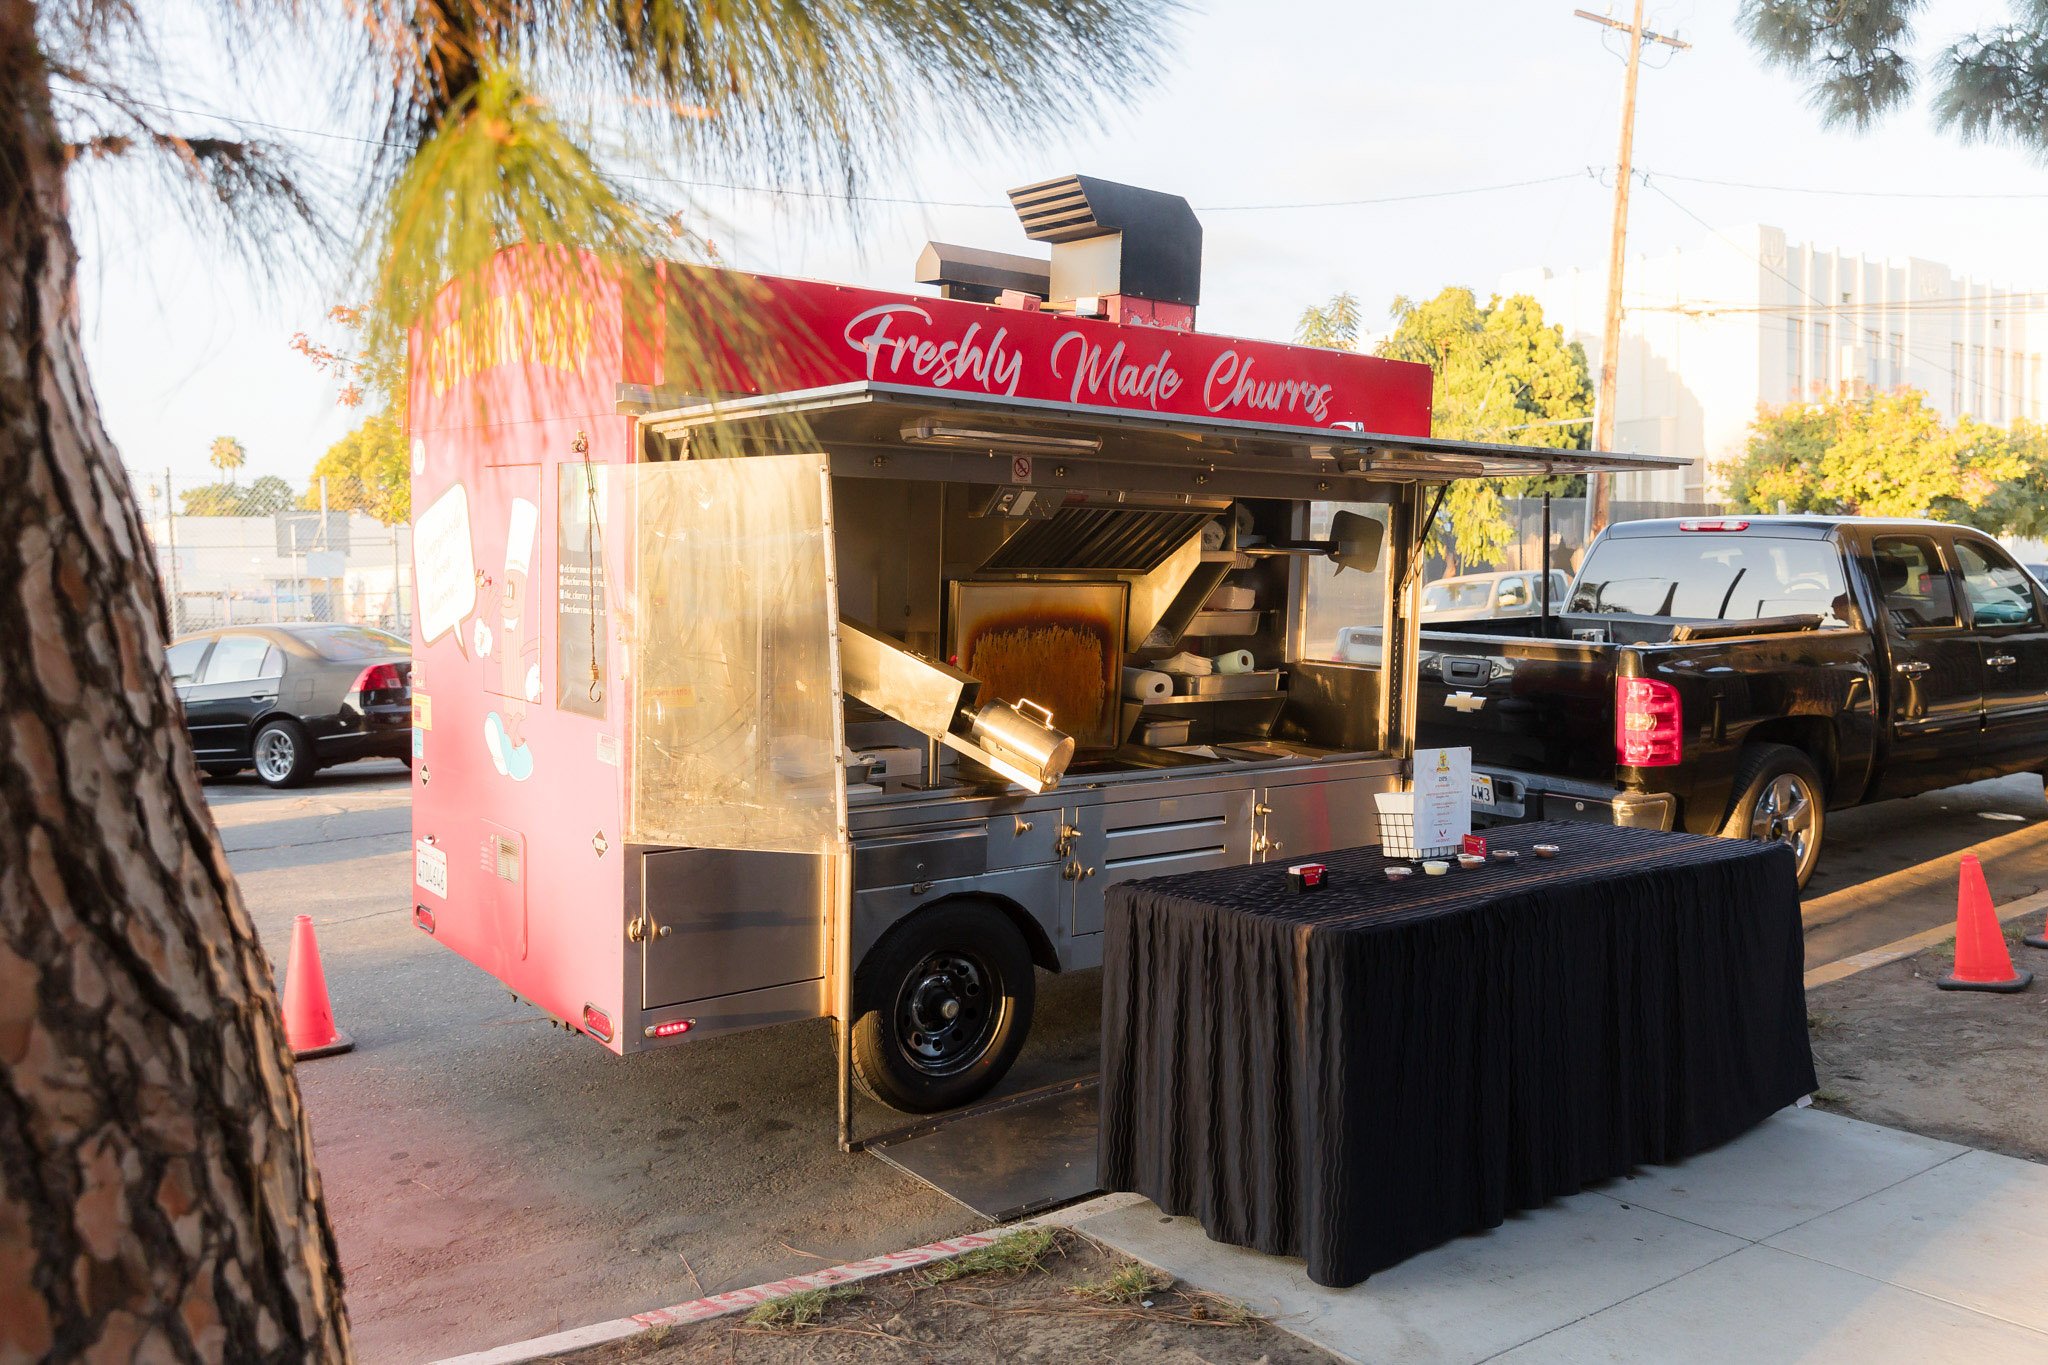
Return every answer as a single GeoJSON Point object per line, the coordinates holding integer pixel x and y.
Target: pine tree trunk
{"type": "Point", "coordinates": [157, 1192]}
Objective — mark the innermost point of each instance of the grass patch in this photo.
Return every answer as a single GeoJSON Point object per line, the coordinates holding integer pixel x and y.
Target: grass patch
{"type": "Point", "coordinates": [1826, 1096]}
{"type": "Point", "coordinates": [798, 1310]}
{"type": "Point", "coordinates": [1207, 1307]}
{"type": "Point", "coordinates": [1819, 1021]}
{"type": "Point", "coordinates": [1021, 1249]}
{"type": "Point", "coordinates": [1128, 1283]}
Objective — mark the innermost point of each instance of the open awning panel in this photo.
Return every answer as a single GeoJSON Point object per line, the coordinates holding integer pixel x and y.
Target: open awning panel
{"type": "Point", "coordinates": [883, 416]}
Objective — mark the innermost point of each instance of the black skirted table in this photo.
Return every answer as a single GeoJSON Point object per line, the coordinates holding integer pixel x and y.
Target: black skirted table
{"type": "Point", "coordinates": [1357, 1074]}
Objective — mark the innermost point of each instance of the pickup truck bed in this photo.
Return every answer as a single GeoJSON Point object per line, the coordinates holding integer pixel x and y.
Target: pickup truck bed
{"type": "Point", "coordinates": [1928, 667]}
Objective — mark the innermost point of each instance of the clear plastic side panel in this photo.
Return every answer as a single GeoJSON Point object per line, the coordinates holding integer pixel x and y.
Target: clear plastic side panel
{"type": "Point", "coordinates": [735, 714]}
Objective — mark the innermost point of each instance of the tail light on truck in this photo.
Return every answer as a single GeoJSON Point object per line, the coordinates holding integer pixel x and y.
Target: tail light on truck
{"type": "Point", "coordinates": [1649, 723]}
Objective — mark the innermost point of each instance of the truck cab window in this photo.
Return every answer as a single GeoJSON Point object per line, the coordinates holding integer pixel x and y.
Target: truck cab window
{"type": "Point", "coordinates": [1344, 610]}
{"type": "Point", "coordinates": [1714, 576]}
{"type": "Point", "coordinates": [1998, 590]}
{"type": "Point", "coordinates": [1913, 582]}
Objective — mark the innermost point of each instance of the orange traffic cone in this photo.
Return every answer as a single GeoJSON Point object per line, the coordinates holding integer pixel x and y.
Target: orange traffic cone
{"type": "Point", "coordinates": [308, 1019]}
{"type": "Point", "coordinates": [1982, 962]}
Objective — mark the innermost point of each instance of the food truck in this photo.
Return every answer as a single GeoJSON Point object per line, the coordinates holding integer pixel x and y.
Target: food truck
{"type": "Point", "coordinates": [845, 682]}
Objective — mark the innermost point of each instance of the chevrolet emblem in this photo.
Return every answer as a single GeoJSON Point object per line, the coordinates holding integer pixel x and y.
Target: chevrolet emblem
{"type": "Point", "coordinates": [1465, 703]}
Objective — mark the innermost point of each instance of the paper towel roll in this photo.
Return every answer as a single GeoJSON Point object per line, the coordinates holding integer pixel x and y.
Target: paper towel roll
{"type": "Point", "coordinates": [1235, 661]}
{"type": "Point", "coordinates": [1145, 684]}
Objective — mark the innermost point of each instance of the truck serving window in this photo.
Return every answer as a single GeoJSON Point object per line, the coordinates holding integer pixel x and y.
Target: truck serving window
{"type": "Point", "coordinates": [1343, 610]}
{"type": "Point", "coordinates": [1714, 577]}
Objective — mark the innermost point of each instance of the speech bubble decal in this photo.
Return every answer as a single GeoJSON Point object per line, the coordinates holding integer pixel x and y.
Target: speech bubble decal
{"type": "Point", "coordinates": [444, 565]}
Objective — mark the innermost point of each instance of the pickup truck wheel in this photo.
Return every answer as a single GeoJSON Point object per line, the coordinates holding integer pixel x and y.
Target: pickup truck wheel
{"type": "Point", "coordinates": [1779, 800]}
{"type": "Point", "coordinates": [941, 1006]}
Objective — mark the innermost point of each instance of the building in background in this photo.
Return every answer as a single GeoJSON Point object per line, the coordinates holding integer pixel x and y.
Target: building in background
{"type": "Point", "coordinates": [1744, 318]}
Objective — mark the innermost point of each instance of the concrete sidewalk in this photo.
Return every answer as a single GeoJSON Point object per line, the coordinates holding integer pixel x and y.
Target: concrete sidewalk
{"type": "Point", "coordinates": [1812, 1238]}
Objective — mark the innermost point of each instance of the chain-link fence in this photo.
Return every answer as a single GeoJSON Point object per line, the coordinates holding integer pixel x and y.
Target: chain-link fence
{"type": "Point", "coordinates": [242, 554]}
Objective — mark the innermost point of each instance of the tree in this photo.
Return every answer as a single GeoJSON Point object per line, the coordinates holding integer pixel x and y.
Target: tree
{"type": "Point", "coordinates": [367, 471]}
{"type": "Point", "coordinates": [158, 1197]}
{"type": "Point", "coordinates": [1990, 85]}
{"type": "Point", "coordinates": [1501, 375]}
{"type": "Point", "coordinates": [1888, 455]}
{"type": "Point", "coordinates": [227, 456]}
{"type": "Point", "coordinates": [1333, 325]}
{"type": "Point", "coordinates": [267, 496]}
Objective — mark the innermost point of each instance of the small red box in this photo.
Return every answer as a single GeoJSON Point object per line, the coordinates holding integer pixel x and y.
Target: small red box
{"type": "Point", "coordinates": [1308, 877]}
{"type": "Point", "coordinates": [1476, 845]}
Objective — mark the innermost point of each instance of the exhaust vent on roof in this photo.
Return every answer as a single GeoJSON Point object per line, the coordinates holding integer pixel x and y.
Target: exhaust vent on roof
{"type": "Point", "coordinates": [1155, 254]}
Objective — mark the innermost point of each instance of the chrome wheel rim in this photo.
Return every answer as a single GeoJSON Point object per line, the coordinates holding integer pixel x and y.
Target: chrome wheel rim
{"type": "Point", "coordinates": [946, 1012]}
{"type": "Point", "coordinates": [1785, 813]}
{"type": "Point", "coordinates": [274, 754]}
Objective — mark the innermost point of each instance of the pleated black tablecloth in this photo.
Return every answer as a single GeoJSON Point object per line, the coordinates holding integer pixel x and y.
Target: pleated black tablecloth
{"type": "Point", "coordinates": [1355, 1075]}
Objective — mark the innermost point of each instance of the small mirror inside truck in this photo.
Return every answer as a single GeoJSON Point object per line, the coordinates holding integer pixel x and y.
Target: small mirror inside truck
{"type": "Point", "coordinates": [1355, 541]}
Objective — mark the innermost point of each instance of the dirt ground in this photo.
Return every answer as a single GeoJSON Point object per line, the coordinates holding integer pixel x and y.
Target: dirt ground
{"type": "Point", "coordinates": [1040, 1295]}
{"type": "Point", "coordinates": [1965, 1066]}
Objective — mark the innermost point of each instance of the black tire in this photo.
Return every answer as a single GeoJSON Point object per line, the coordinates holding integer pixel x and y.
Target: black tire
{"type": "Point", "coordinates": [1779, 798]}
{"type": "Point", "coordinates": [221, 771]}
{"type": "Point", "coordinates": [282, 754]}
{"type": "Point", "coordinates": [941, 1007]}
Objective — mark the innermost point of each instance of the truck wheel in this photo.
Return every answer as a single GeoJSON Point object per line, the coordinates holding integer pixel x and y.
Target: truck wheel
{"type": "Point", "coordinates": [1779, 800]}
{"type": "Point", "coordinates": [941, 1006]}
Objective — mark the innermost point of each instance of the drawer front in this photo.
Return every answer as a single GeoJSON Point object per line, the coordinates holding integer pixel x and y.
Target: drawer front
{"type": "Point", "coordinates": [933, 855]}
{"type": "Point", "coordinates": [1025, 839]}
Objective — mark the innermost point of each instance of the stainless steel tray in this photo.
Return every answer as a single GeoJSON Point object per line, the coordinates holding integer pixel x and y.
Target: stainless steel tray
{"type": "Point", "coordinates": [1260, 682]}
{"type": "Point", "coordinates": [1224, 623]}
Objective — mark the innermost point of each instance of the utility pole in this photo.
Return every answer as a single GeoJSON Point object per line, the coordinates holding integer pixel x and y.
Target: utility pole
{"type": "Point", "coordinates": [1617, 246]}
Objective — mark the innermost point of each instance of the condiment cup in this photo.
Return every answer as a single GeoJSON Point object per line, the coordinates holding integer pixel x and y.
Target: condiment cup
{"type": "Point", "coordinates": [1436, 868]}
{"type": "Point", "coordinates": [1468, 861]}
{"type": "Point", "coordinates": [1546, 850]}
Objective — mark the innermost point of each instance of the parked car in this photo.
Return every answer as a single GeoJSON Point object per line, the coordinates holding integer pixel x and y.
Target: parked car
{"type": "Point", "coordinates": [1744, 676]}
{"type": "Point", "coordinates": [1483, 596]}
{"type": "Point", "coordinates": [2039, 571]}
{"type": "Point", "coordinates": [289, 700]}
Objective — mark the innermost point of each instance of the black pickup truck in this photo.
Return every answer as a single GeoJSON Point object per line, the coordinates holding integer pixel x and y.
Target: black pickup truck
{"type": "Point", "coordinates": [1745, 675]}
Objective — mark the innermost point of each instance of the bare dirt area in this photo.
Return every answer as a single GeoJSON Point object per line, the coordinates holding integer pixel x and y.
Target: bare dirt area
{"type": "Point", "coordinates": [1039, 1295]}
{"type": "Point", "coordinates": [1963, 1066]}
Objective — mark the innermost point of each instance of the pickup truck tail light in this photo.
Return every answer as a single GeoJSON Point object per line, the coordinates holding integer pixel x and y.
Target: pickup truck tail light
{"type": "Point", "coordinates": [1714, 524]}
{"type": "Point", "coordinates": [1649, 723]}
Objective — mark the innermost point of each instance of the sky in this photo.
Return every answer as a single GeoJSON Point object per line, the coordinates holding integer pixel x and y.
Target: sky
{"type": "Point", "coordinates": [1271, 118]}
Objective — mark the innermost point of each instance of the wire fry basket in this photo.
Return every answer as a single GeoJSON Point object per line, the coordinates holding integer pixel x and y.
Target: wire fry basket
{"type": "Point", "coordinates": [1397, 828]}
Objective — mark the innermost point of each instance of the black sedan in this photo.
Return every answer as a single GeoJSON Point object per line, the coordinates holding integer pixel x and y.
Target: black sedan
{"type": "Point", "coordinates": [289, 700]}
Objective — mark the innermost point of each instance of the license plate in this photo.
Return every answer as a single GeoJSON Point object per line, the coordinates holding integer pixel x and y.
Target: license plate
{"type": "Point", "coordinates": [430, 869]}
{"type": "Point", "coordinates": [1482, 790]}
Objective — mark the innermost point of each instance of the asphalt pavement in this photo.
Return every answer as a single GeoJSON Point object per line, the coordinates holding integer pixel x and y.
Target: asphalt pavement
{"type": "Point", "coordinates": [493, 1178]}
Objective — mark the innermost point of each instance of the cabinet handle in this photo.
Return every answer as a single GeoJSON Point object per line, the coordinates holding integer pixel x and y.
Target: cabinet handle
{"type": "Point", "coordinates": [1023, 825]}
{"type": "Point", "coordinates": [1261, 808]}
{"type": "Point", "coordinates": [1914, 669]}
{"type": "Point", "coordinates": [2001, 661]}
